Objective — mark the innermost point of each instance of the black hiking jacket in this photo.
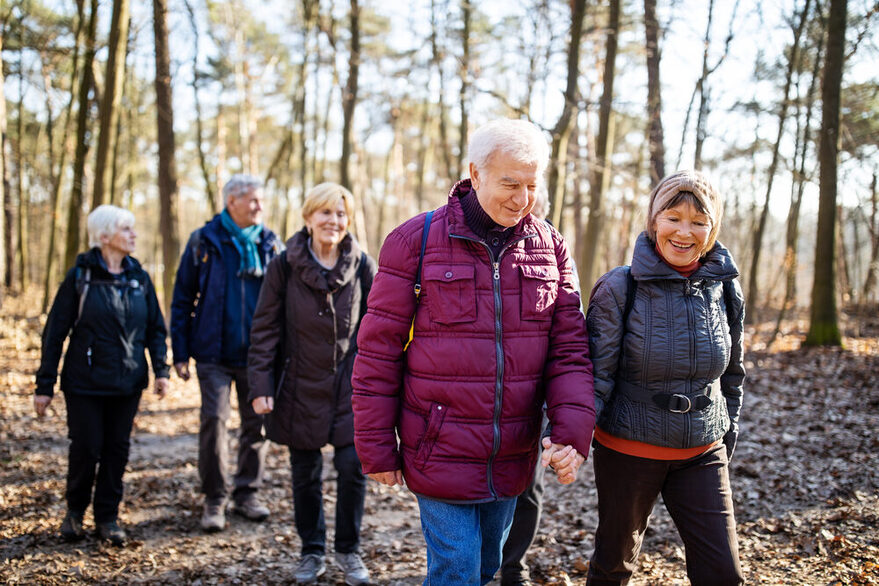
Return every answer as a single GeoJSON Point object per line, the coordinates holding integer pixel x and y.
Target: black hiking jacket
{"type": "Point", "coordinates": [119, 321]}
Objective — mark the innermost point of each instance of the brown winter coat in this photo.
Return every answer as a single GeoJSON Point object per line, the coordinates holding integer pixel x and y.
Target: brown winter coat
{"type": "Point", "coordinates": [321, 311]}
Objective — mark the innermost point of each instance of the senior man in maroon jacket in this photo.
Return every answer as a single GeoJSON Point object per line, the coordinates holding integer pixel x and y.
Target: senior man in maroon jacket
{"type": "Point", "coordinates": [497, 330]}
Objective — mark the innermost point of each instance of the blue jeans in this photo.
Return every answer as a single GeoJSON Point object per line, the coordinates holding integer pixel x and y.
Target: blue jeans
{"type": "Point", "coordinates": [464, 541]}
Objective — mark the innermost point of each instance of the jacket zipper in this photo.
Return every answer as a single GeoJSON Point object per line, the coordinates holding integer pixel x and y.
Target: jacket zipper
{"type": "Point", "coordinates": [499, 350]}
{"type": "Point", "coordinates": [691, 333]}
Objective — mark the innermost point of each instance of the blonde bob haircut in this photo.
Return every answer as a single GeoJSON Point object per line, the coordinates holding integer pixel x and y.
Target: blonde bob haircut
{"type": "Point", "coordinates": [327, 195]}
{"type": "Point", "coordinates": [106, 220]}
{"type": "Point", "coordinates": [686, 186]}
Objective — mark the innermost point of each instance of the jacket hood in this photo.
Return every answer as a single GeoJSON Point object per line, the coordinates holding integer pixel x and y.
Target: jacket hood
{"type": "Point", "coordinates": [717, 264]}
{"type": "Point", "coordinates": [312, 274]}
{"type": "Point", "coordinates": [92, 259]}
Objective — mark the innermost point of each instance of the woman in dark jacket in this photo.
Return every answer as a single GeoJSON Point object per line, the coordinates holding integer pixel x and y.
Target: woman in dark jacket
{"type": "Point", "coordinates": [301, 375]}
{"type": "Point", "coordinates": [108, 306]}
{"type": "Point", "coordinates": [665, 338]}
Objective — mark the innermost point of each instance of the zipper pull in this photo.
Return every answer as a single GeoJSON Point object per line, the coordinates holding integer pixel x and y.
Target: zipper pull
{"type": "Point", "coordinates": [88, 355]}
{"type": "Point", "coordinates": [497, 271]}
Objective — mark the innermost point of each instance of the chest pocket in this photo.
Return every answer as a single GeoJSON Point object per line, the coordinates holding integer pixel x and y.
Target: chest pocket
{"type": "Point", "coordinates": [450, 293]}
{"type": "Point", "coordinates": [540, 289]}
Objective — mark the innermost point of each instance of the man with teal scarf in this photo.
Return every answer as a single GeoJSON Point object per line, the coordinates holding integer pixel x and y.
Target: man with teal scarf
{"type": "Point", "coordinates": [215, 293]}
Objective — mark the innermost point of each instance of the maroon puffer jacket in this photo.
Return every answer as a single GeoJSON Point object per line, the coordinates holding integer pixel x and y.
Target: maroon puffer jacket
{"type": "Point", "coordinates": [491, 343]}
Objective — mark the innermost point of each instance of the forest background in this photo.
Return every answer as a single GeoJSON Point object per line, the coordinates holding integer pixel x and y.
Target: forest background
{"type": "Point", "coordinates": [153, 105]}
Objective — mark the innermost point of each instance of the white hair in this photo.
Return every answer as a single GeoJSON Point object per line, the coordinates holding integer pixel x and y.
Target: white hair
{"type": "Point", "coordinates": [521, 139]}
{"type": "Point", "coordinates": [105, 220]}
{"type": "Point", "coordinates": [240, 184]}
{"type": "Point", "coordinates": [541, 201]}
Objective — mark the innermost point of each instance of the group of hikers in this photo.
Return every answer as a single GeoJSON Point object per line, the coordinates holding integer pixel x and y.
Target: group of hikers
{"type": "Point", "coordinates": [459, 365]}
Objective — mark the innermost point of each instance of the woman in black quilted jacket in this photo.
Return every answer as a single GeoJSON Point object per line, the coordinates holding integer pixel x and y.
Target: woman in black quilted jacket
{"type": "Point", "coordinates": [107, 305]}
{"type": "Point", "coordinates": [665, 338]}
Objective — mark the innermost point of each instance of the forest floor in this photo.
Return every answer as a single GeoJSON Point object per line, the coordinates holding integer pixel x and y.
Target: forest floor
{"type": "Point", "coordinates": [805, 479]}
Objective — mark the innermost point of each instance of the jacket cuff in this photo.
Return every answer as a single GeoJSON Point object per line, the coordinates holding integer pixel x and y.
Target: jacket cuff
{"type": "Point", "coordinates": [45, 391]}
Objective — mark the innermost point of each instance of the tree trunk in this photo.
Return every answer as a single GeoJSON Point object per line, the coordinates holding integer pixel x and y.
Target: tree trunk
{"type": "Point", "coordinates": [702, 118]}
{"type": "Point", "coordinates": [77, 191]}
{"type": "Point", "coordinates": [596, 206]}
{"type": "Point", "coordinates": [793, 61]}
{"type": "Point", "coordinates": [5, 233]}
{"type": "Point", "coordinates": [22, 216]}
{"type": "Point", "coordinates": [793, 217]}
{"type": "Point", "coordinates": [349, 99]}
{"type": "Point", "coordinates": [873, 227]}
{"type": "Point", "coordinates": [824, 325]}
{"type": "Point", "coordinates": [111, 99]}
{"type": "Point", "coordinates": [199, 124]}
{"type": "Point", "coordinates": [466, 15]}
{"type": "Point", "coordinates": [437, 57]}
{"type": "Point", "coordinates": [556, 182]}
{"type": "Point", "coordinates": [655, 140]}
{"type": "Point", "coordinates": [167, 174]}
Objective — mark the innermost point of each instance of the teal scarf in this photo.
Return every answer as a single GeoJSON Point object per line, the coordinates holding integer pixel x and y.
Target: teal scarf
{"type": "Point", "coordinates": [245, 241]}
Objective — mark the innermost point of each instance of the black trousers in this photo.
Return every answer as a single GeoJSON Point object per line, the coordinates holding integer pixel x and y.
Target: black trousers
{"type": "Point", "coordinates": [698, 497]}
{"type": "Point", "coordinates": [308, 508]}
{"type": "Point", "coordinates": [526, 519]}
{"type": "Point", "coordinates": [99, 429]}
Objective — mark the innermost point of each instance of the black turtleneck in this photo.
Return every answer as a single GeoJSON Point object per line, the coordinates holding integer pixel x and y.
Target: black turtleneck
{"type": "Point", "coordinates": [482, 225]}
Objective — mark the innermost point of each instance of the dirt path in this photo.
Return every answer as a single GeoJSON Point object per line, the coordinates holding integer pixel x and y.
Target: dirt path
{"type": "Point", "coordinates": [805, 478]}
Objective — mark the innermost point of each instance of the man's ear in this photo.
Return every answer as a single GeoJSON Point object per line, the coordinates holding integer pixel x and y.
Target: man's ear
{"type": "Point", "coordinates": [474, 176]}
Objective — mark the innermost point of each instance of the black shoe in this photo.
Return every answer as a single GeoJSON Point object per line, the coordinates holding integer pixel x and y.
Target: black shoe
{"type": "Point", "coordinates": [71, 527]}
{"type": "Point", "coordinates": [112, 532]}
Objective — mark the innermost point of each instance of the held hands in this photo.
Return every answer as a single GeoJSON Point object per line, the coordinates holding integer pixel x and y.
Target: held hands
{"type": "Point", "coordinates": [389, 478]}
{"type": "Point", "coordinates": [41, 403]}
{"type": "Point", "coordinates": [161, 387]}
{"type": "Point", "coordinates": [563, 460]}
{"type": "Point", "coordinates": [263, 405]}
{"type": "Point", "coordinates": [182, 369]}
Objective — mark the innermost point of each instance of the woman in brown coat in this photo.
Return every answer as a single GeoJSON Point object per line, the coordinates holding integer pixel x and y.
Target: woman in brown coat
{"type": "Point", "coordinates": [301, 376]}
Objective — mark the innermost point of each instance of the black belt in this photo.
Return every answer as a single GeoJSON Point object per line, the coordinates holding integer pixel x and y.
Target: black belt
{"type": "Point", "coordinates": [674, 402]}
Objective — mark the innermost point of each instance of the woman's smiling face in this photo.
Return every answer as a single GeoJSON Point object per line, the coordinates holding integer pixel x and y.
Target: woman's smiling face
{"type": "Point", "coordinates": [682, 233]}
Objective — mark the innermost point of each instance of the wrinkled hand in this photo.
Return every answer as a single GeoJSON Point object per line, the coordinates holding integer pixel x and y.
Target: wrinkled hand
{"type": "Point", "coordinates": [182, 369]}
{"type": "Point", "coordinates": [41, 403]}
{"type": "Point", "coordinates": [564, 460]}
{"type": "Point", "coordinates": [389, 478]}
{"type": "Point", "coordinates": [263, 405]}
{"type": "Point", "coordinates": [161, 387]}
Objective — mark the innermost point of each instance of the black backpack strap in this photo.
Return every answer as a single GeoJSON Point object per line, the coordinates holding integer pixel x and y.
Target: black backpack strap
{"type": "Point", "coordinates": [631, 288]}
{"type": "Point", "coordinates": [83, 280]}
{"type": "Point", "coordinates": [195, 245]}
{"type": "Point", "coordinates": [417, 286]}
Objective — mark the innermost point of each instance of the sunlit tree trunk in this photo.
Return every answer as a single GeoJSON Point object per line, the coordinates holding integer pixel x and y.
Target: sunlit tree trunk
{"type": "Point", "coordinates": [556, 182]}
{"type": "Point", "coordinates": [793, 60]}
{"type": "Point", "coordinates": [210, 189]}
{"type": "Point", "coordinates": [83, 141]}
{"type": "Point", "coordinates": [824, 325]}
{"type": "Point", "coordinates": [873, 227]}
{"type": "Point", "coordinates": [437, 57]}
{"type": "Point", "coordinates": [111, 99]}
{"type": "Point", "coordinates": [466, 15]}
{"type": "Point", "coordinates": [22, 216]}
{"type": "Point", "coordinates": [167, 173]}
{"type": "Point", "coordinates": [655, 140]}
{"type": "Point", "coordinates": [5, 233]}
{"type": "Point", "coordinates": [349, 97]}
{"type": "Point", "coordinates": [600, 172]}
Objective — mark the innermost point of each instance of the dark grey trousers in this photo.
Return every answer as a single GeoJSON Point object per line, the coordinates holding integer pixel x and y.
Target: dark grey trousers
{"type": "Point", "coordinates": [526, 519]}
{"type": "Point", "coordinates": [698, 497]}
{"type": "Point", "coordinates": [216, 381]}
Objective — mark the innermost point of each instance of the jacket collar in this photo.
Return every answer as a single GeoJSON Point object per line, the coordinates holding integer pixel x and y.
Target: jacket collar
{"type": "Point", "coordinates": [458, 224]}
{"type": "Point", "coordinates": [92, 259]}
{"type": "Point", "coordinates": [315, 276]}
{"type": "Point", "coordinates": [717, 264]}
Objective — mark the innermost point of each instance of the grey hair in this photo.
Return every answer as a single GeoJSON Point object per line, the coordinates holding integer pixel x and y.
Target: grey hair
{"type": "Point", "coordinates": [105, 220]}
{"type": "Point", "coordinates": [521, 139]}
{"type": "Point", "coordinates": [240, 184]}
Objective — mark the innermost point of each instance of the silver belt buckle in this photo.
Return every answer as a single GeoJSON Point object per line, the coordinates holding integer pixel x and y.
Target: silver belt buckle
{"type": "Point", "coordinates": [689, 404]}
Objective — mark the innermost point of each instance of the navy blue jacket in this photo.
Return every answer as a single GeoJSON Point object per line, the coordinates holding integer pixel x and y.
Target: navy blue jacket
{"type": "Point", "coordinates": [200, 326]}
{"type": "Point", "coordinates": [120, 319]}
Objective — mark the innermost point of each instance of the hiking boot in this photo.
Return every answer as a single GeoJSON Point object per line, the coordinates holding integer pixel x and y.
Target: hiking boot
{"type": "Point", "coordinates": [250, 508]}
{"type": "Point", "coordinates": [213, 518]}
{"type": "Point", "coordinates": [310, 567]}
{"type": "Point", "coordinates": [355, 572]}
{"type": "Point", "coordinates": [71, 527]}
{"type": "Point", "coordinates": [112, 532]}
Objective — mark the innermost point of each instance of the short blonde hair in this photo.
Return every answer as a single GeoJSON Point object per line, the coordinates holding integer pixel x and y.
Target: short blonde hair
{"type": "Point", "coordinates": [690, 186]}
{"type": "Point", "coordinates": [327, 195]}
{"type": "Point", "coordinates": [106, 220]}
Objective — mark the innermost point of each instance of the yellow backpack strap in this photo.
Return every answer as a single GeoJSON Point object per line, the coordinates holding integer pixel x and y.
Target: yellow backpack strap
{"type": "Point", "coordinates": [417, 287]}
